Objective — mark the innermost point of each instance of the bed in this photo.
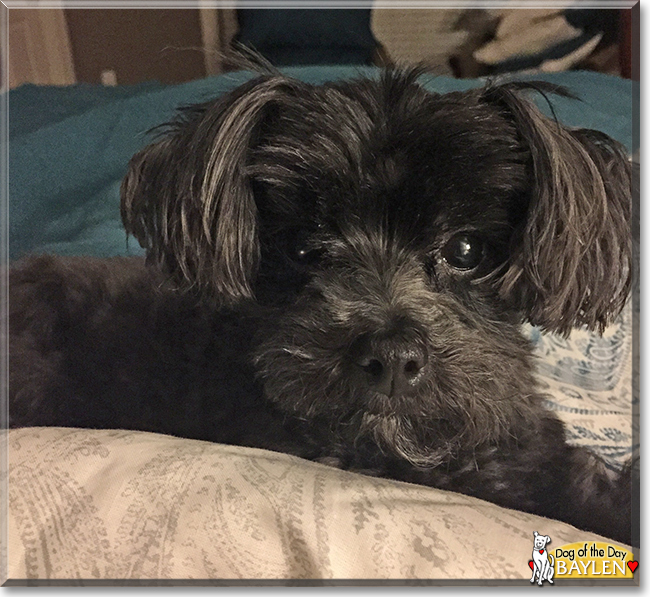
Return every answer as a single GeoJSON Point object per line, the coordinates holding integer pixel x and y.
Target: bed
{"type": "Point", "coordinates": [96, 505]}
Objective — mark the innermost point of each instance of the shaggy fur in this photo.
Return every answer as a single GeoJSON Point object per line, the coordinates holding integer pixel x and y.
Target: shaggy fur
{"type": "Point", "coordinates": [340, 272]}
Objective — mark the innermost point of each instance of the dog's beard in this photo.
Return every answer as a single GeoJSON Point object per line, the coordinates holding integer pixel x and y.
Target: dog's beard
{"type": "Point", "coordinates": [409, 438]}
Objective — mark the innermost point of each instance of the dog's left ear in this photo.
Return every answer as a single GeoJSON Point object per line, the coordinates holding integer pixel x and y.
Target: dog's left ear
{"type": "Point", "coordinates": [571, 261]}
{"type": "Point", "coordinates": [187, 197]}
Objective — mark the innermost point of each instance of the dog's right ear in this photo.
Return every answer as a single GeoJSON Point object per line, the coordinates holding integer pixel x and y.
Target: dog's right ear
{"type": "Point", "coordinates": [187, 199]}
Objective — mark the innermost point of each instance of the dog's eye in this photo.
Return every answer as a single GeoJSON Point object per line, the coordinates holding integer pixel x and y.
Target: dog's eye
{"type": "Point", "coordinates": [306, 256]}
{"type": "Point", "coordinates": [464, 251]}
{"type": "Point", "coordinates": [301, 250]}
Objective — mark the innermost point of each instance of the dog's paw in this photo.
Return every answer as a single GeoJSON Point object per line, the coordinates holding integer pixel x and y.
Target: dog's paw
{"type": "Point", "coordinates": [343, 464]}
{"type": "Point", "coordinates": [333, 461]}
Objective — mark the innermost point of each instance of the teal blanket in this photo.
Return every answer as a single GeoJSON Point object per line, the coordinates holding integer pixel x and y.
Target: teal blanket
{"type": "Point", "coordinates": [69, 147]}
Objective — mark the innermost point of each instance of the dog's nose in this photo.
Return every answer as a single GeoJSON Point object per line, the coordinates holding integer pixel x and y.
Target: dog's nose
{"type": "Point", "coordinates": [390, 367]}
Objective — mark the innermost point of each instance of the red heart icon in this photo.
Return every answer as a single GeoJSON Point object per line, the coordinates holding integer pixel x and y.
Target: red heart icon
{"type": "Point", "coordinates": [633, 565]}
{"type": "Point", "coordinates": [541, 551]}
{"type": "Point", "coordinates": [530, 563]}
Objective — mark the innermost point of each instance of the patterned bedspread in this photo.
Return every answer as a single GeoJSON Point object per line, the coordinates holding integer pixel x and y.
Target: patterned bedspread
{"type": "Point", "coordinates": [588, 379]}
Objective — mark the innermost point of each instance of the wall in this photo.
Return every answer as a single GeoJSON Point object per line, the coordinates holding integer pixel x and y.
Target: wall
{"type": "Point", "coordinates": [136, 44]}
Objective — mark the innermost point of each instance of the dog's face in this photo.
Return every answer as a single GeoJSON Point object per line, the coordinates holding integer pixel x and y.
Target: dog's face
{"type": "Point", "coordinates": [540, 541]}
{"type": "Point", "coordinates": [395, 239]}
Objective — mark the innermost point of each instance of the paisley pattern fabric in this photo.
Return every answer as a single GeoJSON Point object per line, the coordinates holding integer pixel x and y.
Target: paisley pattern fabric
{"type": "Point", "coordinates": [110, 504]}
{"type": "Point", "coordinates": [107, 504]}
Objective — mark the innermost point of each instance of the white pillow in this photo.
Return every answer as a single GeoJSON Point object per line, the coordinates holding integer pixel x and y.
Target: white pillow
{"type": "Point", "coordinates": [106, 504]}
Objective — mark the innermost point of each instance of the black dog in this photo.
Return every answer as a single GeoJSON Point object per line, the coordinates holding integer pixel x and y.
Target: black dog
{"type": "Point", "coordinates": [340, 272]}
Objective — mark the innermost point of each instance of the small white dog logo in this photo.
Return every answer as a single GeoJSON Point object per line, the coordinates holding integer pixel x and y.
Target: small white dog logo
{"type": "Point", "coordinates": [543, 562]}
